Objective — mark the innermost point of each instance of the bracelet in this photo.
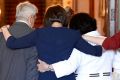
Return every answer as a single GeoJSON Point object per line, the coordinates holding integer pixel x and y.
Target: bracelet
{"type": "Point", "coordinates": [50, 68]}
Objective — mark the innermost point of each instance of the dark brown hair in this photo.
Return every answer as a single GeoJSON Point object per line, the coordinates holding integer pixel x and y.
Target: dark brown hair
{"type": "Point", "coordinates": [83, 22]}
{"type": "Point", "coordinates": [53, 14]}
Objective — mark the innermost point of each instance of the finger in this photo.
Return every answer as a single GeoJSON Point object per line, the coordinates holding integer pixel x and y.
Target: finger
{"type": "Point", "coordinates": [7, 26]}
{"type": "Point", "coordinates": [37, 65]}
{"type": "Point", "coordinates": [40, 61]}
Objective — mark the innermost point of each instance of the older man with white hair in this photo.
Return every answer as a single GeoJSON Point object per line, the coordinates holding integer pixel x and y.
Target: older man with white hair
{"type": "Point", "coordinates": [19, 64]}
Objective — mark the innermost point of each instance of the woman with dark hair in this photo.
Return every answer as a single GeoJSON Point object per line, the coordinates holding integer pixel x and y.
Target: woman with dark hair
{"type": "Point", "coordinates": [85, 66]}
{"type": "Point", "coordinates": [54, 42]}
{"type": "Point", "coordinates": [83, 22]}
{"type": "Point", "coordinates": [108, 43]}
{"type": "Point", "coordinates": [55, 14]}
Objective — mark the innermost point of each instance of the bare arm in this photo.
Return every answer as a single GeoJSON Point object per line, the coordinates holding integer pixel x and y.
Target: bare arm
{"type": "Point", "coordinates": [5, 31]}
{"type": "Point", "coordinates": [97, 40]}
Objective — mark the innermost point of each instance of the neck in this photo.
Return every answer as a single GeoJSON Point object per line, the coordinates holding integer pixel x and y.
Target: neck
{"type": "Point", "coordinates": [25, 22]}
{"type": "Point", "coordinates": [56, 24]}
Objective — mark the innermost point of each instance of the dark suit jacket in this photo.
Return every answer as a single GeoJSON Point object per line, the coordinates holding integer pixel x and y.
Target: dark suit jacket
{"type": "Point", "coordinates": [17, 64]}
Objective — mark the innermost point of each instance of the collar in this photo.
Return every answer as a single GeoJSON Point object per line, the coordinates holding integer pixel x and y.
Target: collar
{"type": "Point", "coordinates": [23, 22]}
{"type": "Point", "coordinates": [93, 33]}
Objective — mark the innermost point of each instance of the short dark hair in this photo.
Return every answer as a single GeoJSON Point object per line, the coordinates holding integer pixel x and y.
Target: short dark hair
{"type": "Point", "coordinates": [83, 22]}
{"type": "Point", "coordinates": [55, 13]}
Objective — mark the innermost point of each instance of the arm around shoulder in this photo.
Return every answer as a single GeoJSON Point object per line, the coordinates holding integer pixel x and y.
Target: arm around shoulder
{"type": "Point", "coordinates": [87, 48]}
{"type": "Point", "coordinates": [5, 31]}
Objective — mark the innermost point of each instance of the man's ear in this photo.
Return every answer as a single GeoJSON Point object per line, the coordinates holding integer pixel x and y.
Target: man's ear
{"type": "Point", "coordinates": [30, 19]}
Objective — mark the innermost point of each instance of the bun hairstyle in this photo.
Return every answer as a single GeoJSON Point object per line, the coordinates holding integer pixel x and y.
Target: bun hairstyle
{"type": "Point", "coordinates": [55, 13]}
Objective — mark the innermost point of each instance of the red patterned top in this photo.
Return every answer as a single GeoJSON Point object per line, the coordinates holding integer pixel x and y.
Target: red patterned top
{"type": "Point", "coordinates": [112, 42]}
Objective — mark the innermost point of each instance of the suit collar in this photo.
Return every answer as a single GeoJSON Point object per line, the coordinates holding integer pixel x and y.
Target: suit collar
{"type": "Point", "coordinates": [93, 33]}
{"type": "Point", "coordinates": [23, 22]}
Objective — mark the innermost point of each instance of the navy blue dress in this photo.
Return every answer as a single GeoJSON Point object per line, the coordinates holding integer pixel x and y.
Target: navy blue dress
{"type": "Point", "coordinates": [53, 45]}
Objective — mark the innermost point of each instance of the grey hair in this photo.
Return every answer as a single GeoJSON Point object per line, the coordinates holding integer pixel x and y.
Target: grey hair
{"type": "Point", "coordinates": [25, 9]}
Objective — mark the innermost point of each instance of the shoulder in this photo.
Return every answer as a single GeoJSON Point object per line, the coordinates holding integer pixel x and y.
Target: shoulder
{"type": "Point", "coordinates": [73, 32]}
{"type": "Point", "coordinates": [19, 29]}
{"type": "Point", "coordinates": [43, 29]}
{"type": "Point", "coordinates": [20, 26]}
{"type": "Point", "coordinates": [77, 52]}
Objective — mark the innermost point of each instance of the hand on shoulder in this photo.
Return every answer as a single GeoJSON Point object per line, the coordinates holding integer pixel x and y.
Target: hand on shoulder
{"type": "Point", "coordinates": [5, 26]}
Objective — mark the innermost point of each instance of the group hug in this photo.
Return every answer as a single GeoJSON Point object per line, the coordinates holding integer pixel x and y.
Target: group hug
{"type": "Point", "coordinates": [65, 48]}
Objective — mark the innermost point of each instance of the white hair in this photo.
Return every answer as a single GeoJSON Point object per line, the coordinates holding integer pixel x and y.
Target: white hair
{"type": "Point", "coordinates": [25, 9]}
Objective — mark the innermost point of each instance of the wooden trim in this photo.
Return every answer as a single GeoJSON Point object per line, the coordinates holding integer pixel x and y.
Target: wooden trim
{"type": "Point", "coordinates": [75, 6]}
{"type": "Point", "coordinates": [116, 16]}
{"type": "Point", "coordinates": [91, 7]}
{"type": "Point", "coordinates": [106, 28]}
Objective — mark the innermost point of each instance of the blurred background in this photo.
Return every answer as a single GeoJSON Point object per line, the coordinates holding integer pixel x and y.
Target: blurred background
{"type": "Point", "coordinates": [106, 12]}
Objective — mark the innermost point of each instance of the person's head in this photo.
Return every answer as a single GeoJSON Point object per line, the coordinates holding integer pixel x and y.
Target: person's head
{"type": "Point", "coordinates": [26, 11]}
{"type": "Point", "coordinates": [83, 22]}
{"type": "Point", "coordinates": [55, 13]}
{"type": "Point", "coordinates": [69, 11]}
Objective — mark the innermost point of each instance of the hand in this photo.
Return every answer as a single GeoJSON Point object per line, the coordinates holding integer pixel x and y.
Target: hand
{"type": "Point", "coordinates": [5, 26]}
{"type": "Point", "coordinates": [42, 66]}
{"type": "Point", "coordinates": [5, 31]}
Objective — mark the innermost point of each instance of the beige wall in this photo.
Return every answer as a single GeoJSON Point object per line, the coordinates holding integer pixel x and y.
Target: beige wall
{"type": "Point", "coordinates": [100, 20]}
{"type": "Point", "coordinates": [67, 3]}
{"type": "Point", "coordinates": [83, 6]}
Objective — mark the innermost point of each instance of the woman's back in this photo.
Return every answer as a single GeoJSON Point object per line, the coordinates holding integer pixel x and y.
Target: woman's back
{"type": "Point", "coordinates": [54, 45]}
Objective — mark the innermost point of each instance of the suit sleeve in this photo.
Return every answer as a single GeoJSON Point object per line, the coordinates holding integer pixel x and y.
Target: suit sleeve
{"type": "Point", "coordinates": [112, 42]}
{"type": "Point", "coordinates": [87, 48]}
{"type": "Point", "coordinates": [23, 42]}
{"type": "Point", "coordinates": [31, 72]}
{"type": "Point", "coordinates": [69, 66]}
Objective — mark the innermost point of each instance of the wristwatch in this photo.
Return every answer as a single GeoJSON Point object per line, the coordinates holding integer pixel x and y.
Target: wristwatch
{"type": "Point", "coordinates": [50, 68]}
